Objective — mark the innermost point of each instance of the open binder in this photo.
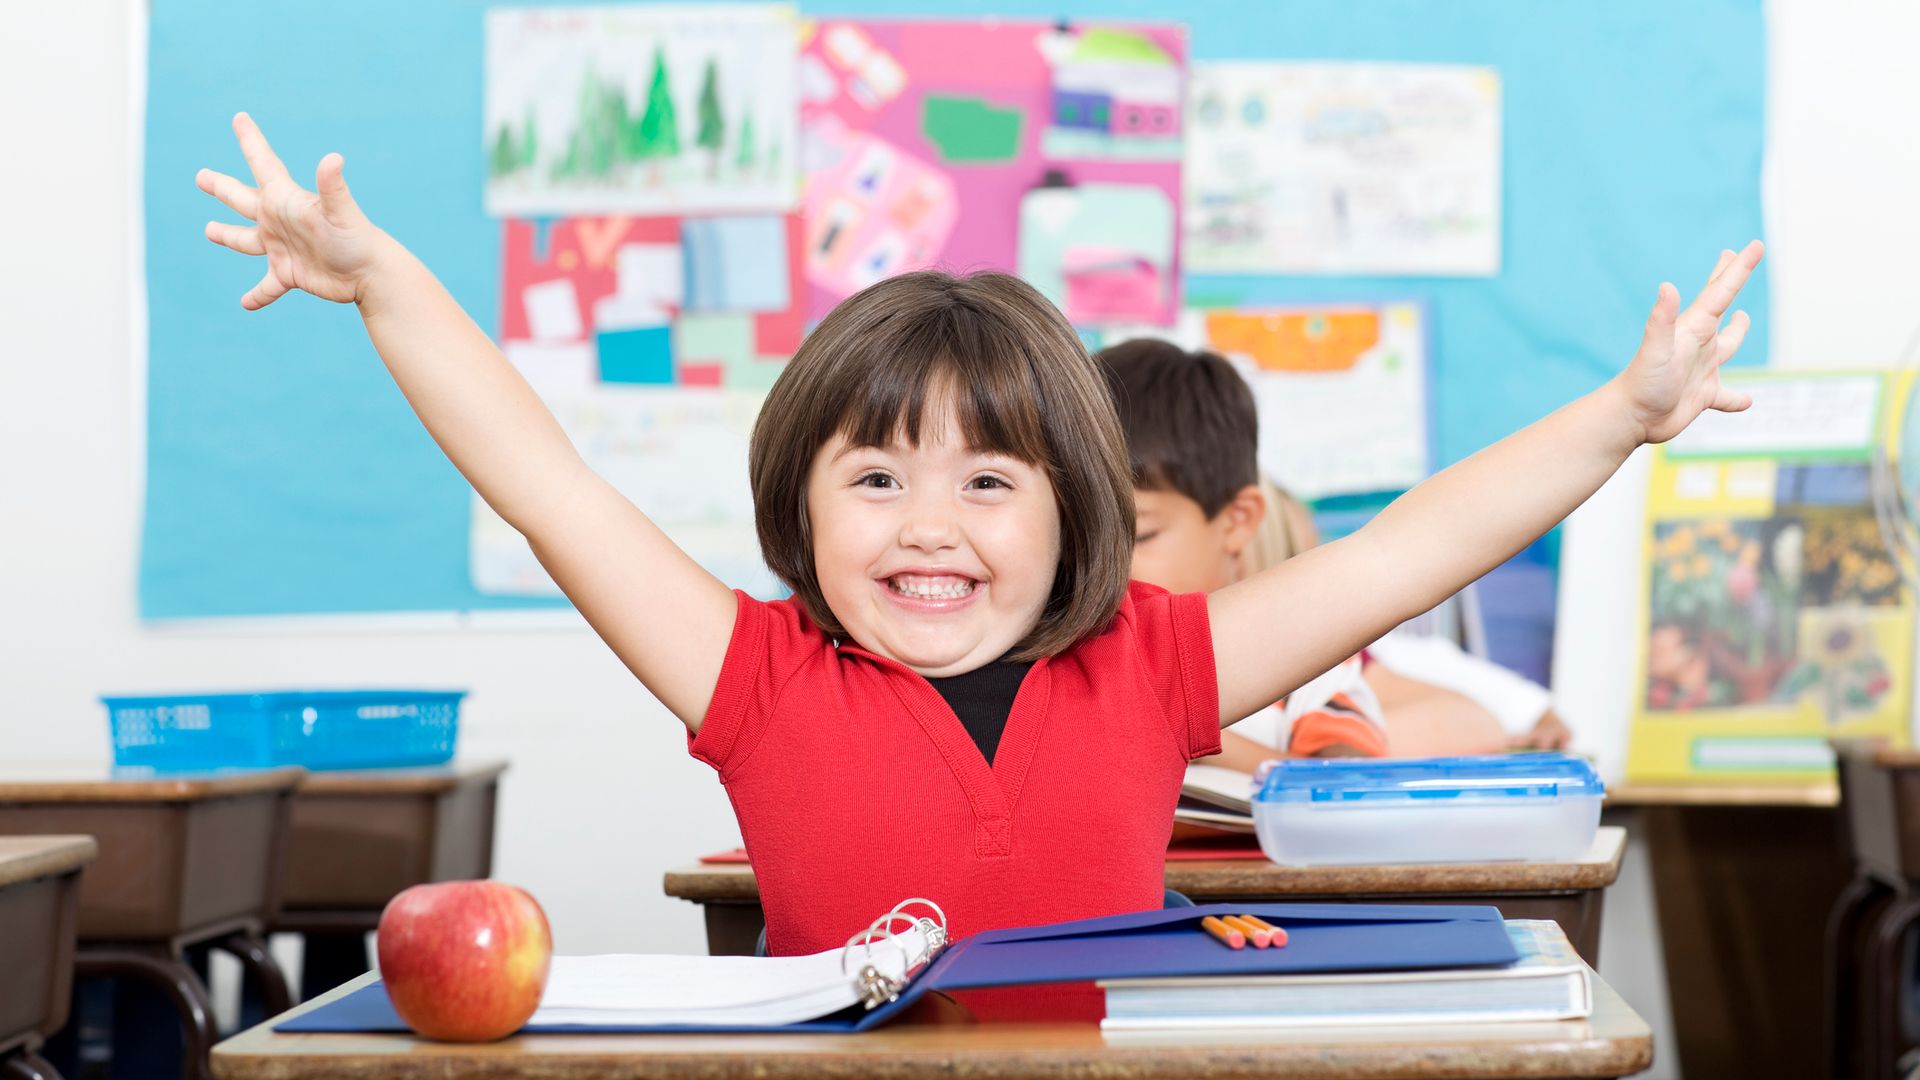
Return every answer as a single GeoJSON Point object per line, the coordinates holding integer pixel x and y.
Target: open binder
{"type": "Point", "coordinates": [904, 954]}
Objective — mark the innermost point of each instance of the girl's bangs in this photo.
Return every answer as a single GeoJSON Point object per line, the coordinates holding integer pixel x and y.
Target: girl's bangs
{"type": "Point", "coordinates": [996, 401]}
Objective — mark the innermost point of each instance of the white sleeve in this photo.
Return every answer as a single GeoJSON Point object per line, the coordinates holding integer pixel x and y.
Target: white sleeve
{"type": "Point", "coordinates": [1270, 727]}
{"type": "Point", "coordinates": [1344, 678]}
{"type": "Point", "coordinates": [1514, 700]}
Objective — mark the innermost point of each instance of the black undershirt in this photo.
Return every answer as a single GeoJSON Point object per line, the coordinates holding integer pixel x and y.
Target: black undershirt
{"type": "Point", "coordinates": [982, 698]}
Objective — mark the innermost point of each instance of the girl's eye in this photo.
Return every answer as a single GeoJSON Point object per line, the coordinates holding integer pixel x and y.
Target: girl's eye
{"type": "Point", "coordinates": [1145, 536]}
{"type": "Point", "coordinates": [991, 482]}
{"type": "Point", "coordinates": [874, 480]}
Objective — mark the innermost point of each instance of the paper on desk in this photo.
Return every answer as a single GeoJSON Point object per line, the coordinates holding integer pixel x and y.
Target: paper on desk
{"type": "Point", "coordinates": [731, 990]}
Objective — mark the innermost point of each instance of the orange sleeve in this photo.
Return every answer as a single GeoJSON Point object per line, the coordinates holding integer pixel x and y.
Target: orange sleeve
{"type": "Point", "coordinates": [1337, 722]}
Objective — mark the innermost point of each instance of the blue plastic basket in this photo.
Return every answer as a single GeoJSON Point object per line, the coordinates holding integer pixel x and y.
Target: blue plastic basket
{"type": "Point", "coordinates": [320, 729]}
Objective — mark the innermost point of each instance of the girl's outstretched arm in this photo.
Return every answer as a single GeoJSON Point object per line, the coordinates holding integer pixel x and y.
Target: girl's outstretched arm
{"type": "Point", "coordinates": [1282, 627]}
{"type": "Point", "coordinates": [664, 615]}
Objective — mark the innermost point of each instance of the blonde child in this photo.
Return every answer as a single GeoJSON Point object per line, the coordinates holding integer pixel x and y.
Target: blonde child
{"type": "Point", "coordinates": [939, 476]}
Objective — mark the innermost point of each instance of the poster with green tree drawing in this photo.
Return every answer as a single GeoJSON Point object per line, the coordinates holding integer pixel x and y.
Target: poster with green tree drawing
{"type": "Point", "coordinates": [667, 108]}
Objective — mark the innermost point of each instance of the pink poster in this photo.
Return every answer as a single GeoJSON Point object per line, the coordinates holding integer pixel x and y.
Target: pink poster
{"type": "Point", "coordinates": [949, 143]}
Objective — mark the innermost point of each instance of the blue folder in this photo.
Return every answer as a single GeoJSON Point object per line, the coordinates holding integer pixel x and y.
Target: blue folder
{"type": "Point", "coordinates": [1322, 938]}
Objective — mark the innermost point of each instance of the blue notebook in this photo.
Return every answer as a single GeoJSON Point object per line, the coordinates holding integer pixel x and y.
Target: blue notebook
{"type": "Point", "coordinates": [1323, 938]}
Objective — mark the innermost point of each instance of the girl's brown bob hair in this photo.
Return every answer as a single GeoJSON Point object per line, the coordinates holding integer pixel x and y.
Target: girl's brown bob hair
{"type": "Point", "coordinates": [989, 346]}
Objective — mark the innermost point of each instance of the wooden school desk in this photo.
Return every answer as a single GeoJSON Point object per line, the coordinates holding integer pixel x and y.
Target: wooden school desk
{"type": "Point", "coordinates": [183, 861]}
{"type": "Point", "coordinates": [1743, 881]}
{"type": "Point", "coordinates": [359, 836]}
{"type": "Point", "coordinates": [1569, 893]}
{"type": "Point", "coordinates": [39, 913]}
{"type": "Point", "coordinates": [927, 1042]}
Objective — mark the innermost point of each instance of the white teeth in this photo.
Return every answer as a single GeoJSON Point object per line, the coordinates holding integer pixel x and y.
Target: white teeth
{"type": "Point", "coordinates": [921, 590]}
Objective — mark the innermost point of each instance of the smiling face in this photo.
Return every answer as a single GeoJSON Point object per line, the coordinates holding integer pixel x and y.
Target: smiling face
{"type": "Point", "coordinates": [936, 555]}
{"type": "Point", "coordinates": [938, 474]}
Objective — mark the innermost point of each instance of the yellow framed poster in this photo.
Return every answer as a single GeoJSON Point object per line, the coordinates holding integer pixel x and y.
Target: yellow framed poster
{"type": "Point", "coordinates": [1772, 614]}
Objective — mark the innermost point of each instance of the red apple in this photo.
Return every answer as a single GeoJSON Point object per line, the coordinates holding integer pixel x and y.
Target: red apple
{"type": "Point", "coordinates": [464, 961]}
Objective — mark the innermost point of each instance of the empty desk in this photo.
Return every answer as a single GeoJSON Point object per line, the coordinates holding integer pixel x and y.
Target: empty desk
{"type": "Point", "coordinates": [39, 916]}
{"type": "Point", "coordinates": [183, 861]}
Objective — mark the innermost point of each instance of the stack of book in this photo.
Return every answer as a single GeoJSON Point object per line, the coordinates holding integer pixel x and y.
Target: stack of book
{"type": "Point", "coordinates": [1549, 982]}
{"type": "Point", "coordinates": [1217, 799]}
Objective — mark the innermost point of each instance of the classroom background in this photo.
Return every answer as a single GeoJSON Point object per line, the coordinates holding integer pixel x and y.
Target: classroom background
{"type": "Point", "coordinates": [1674, 131]}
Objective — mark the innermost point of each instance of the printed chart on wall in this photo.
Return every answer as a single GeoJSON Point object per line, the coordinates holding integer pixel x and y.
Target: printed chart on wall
{"type": "Point", "coordinates": [1052, 151]}
{"type": "Point", "coordinates": [1343, 168]}
{"type": "Point", "coordinates": [653, 338]}
{"type": "Point", "coordinates": [1341, 388]}
{"type": "Point", "coordinates": [1774, 615]}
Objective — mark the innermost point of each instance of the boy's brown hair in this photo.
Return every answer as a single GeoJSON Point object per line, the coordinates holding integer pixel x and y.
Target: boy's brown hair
{"type": "Point", "coordinates": [1189, 417]}
{"type": "Point", "coordinates": [1020, 382]}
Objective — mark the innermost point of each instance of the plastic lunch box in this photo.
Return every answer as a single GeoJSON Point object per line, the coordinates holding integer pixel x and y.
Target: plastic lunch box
{"type": "Point", "coordinates": [1323, 812]}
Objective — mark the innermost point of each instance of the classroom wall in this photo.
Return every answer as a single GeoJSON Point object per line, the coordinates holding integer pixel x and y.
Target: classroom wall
{"type": "Point", "coordinates": [602, 796]}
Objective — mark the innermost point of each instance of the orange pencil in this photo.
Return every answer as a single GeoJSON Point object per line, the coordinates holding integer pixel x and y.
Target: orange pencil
{"type": "Point", "coordinates": [1243, 923]}
{"type": "Point", "coordinates": [1231, 938]}
{"type": "Point", "coordinates": [1278, 936]}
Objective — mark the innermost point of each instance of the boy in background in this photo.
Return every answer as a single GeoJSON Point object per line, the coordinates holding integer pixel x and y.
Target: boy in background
{"type": "Point", "coordinates": [1205, 520]}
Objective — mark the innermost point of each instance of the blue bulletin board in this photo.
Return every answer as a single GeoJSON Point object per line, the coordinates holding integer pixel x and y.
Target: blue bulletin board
{"type": "Point", "coordinates": [286, 475]}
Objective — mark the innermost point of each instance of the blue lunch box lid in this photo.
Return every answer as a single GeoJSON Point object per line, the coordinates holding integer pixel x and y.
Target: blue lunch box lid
{"type": "Point", "coordinates": [1489, 777]}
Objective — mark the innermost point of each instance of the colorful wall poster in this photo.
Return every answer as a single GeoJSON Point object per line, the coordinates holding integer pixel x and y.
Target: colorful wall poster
{"type": "Point", "coordinates": [953, 143]}
{"type": "Point", "coordinates": [640, 109]}
{"type": "Point", "coordinates": [1343, 168]}
{"type": "Point", "coordinates": [1341, 389]}
{"type": "Point", "coordinates": [653, 340]}
{"type": "Point", "coordinates": [1774, 615]}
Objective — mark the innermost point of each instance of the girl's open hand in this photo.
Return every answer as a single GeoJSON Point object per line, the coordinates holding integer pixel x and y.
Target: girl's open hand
{"type": "Point", "coordinates": [321, 243]}
{"type": "Point", "coordinates": [1676, 374]}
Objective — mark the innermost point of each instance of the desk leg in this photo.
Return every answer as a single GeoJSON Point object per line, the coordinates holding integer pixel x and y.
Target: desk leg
{"type": "Point", "coordinates": [1743, 894]}
{"type": "Point", "coordinates": [264, 990]}
{"type": "Point", "coordinates": [176, 982]}
{"type": "Point", "coordinates": [733, 929]}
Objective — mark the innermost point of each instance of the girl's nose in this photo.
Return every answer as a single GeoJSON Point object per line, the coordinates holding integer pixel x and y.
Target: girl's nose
{"type": "Point", "coordinates": [930, 524]}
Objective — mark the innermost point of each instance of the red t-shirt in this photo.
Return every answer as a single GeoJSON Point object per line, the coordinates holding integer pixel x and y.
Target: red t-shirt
{"type": "Point", "coordinates": [856, 787]}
